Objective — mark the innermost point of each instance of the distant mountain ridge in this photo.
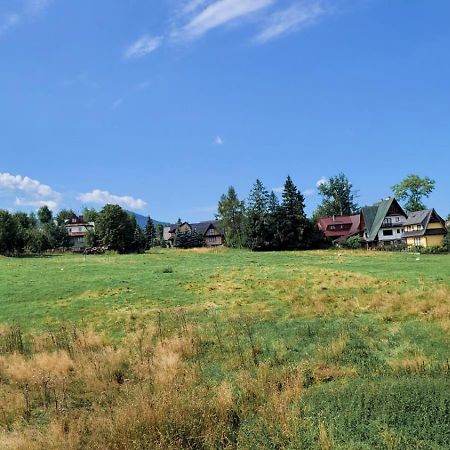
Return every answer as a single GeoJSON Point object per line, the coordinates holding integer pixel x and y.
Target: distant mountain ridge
{"type": "Point", "coordinates": [142, 220]}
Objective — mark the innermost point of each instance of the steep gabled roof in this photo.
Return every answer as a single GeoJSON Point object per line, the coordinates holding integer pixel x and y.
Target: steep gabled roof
{"type": "Point", "coordinates": [199, 227]}
{"type": "Point", "coordinates": [423, 218]}
{"type": "Point", "coordinates": [419, 217]}
{"type": "Point", "coordinates": [374, 215]}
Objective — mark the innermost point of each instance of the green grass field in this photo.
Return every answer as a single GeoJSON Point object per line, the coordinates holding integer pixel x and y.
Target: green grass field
{"type": "Point", "coordinates": [321, 349]}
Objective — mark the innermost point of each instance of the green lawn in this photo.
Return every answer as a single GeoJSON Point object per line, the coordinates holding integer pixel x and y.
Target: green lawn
{"type": "Point", "coordinates": [370, 332]}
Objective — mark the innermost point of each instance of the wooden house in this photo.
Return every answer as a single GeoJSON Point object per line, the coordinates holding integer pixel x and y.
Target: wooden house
{"type": "Point", "coordinates": [338, 228]}
{"type": "Point", "coordinates": [210, 230]}
{"type": "Point", "coordinates": [384, 224]}
{"type": "Point", "coordinates": [424, 229]}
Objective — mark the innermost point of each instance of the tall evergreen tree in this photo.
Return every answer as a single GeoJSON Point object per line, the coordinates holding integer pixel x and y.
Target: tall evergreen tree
{"type": "Point", "coordinates": [150, 233]}
{"type": "Point", "coordinates": [292, 219]}
{"type": "Point", "coordinates": [258, 233]}
{"type": "Point", "coordinates": [338, 197]}
{"type": "Point", "coordinates": [273, 221]}
{"type": "Point", "coordinates": [232, 218]}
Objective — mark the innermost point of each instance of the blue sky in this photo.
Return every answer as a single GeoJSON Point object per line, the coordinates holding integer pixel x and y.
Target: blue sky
{"type": "Point", "coordinates": [161, 105]}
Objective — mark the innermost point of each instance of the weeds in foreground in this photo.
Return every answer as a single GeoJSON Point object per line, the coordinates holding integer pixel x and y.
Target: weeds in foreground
{"type": "Point", "coordinates": [74, 389]}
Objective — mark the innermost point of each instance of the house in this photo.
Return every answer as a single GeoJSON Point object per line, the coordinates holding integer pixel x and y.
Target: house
{"type": "Point", "coordinates": [77, 229]}
{"type": "Point", "coordinates": [210, 230]}
{"type": "Point", "coordinates": [384, 224]}
{"type": "Point", "coordinates": [425, 229]}
{"type": "Point", "coordinates": [340, 227]}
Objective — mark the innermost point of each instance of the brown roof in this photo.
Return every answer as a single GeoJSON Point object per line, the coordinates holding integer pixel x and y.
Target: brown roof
{"type": "Point", "coordinates": [339, 226]}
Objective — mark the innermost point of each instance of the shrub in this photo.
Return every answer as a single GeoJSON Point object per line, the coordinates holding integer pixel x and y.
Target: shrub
{"type": "Point", "coordinates": [352, 242]}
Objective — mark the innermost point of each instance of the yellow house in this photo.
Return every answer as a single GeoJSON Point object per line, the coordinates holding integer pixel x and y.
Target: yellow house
{"type": "Point", "coordinates": [424, 229]}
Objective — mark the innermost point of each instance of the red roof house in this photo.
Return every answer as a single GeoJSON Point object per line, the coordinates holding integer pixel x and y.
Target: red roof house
{"type": "Point", "coordinates": [338, 227]}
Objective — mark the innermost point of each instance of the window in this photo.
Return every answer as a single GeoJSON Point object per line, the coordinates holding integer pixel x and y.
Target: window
{"type": "Point", "coordinates": [417, 241]}
{"type": "Point", "coordinates": [387, 221]}
{"type": "Point", "coordinates": [388, 232]}
{"type": "Point", "coordinates": [397, 219]}
{"type": "Point", "coordinates": [212, 232]}
{"type": "Point", "coordinates": [398, 231]}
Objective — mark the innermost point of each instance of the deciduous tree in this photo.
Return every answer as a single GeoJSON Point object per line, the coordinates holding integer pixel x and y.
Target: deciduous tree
{"type": "Point", "coordinates": [412, 190]}
{"type": "Point", "coordinates": [338, 197]}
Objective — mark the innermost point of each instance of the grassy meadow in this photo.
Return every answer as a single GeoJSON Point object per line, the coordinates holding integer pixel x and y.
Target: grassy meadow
{"type": "Point", "coordinates": [208, 349]}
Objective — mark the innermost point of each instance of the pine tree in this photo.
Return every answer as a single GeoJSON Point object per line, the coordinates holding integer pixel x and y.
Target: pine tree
{"type": "Point", "coordinates": [273, 221]}
{"type": "Point", "coordinates": [292, 219]}
{"type": "Point", "coordinates": [150, 234]}
{"type": "Point", "coordinates": [258, 233]}
{"type": "Point", "coordinates": [232, 218]}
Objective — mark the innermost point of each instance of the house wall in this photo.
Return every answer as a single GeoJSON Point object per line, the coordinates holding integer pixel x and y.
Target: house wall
{"type": "Point", "coordinates": [434, 241]}
{"type": "Point", "coordinates": [397, 233]}
{"type": "Point", "coordinates": [434, 226]}
{"type": "Point", "coordinates": [166, 233]}
{"type": "Point", "coordinates": [426, 241]}
{"type": "Point", "coordinates": [185, 228]}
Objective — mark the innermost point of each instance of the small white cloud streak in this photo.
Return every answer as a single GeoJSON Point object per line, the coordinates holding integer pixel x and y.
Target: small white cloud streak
{"type": "Point", "coordinates": [220, 13]}
{"type": "Point", "coordinates": [30, 9]}
{"type": "Point", "coordinates": [292, 19]}
{"type": "Point", "coordinates": [8, 22]}
{"type": "Point", "coordinates": [34, 7]}
{"type": "Point", "coordinates": [104, 197]}
{"type": "Point", "coordinates": [278, 190]}
{"type": "Point", "coordinates": [143, 46]}
{"type": "Point", "coordinates": [192, 6]}
{"type": "Point", "coordinates": [52, 204]}
{"type": "Point", "coordinates": [309, 192]}
{"type": "Point", "coordinates": [117, 103]}
{"type": "Point", "coordinates": [321, 181]}
{"type": "Point", "coordinates": [218, 140]}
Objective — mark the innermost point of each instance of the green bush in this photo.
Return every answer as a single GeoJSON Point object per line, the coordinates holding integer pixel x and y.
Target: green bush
{"type": "Point", "coordinates": [352, 242]}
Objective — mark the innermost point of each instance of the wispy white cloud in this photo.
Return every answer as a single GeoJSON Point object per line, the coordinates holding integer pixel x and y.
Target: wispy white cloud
{"type": "Point", "coordinates": [219, 13]}
{"type": "Point", "coordinates": [218, 140]}
{"type": "Point", "coordinates": [294, 18]}
{"type": "Point", "coordinates": [278, 190]}
{"type": "Point", "coordinates": [191, 6]}
{"type": "Point", "coordinates": [33, 192]}
{"type": "Point", "coordinates": [143, 46]}
{"type": "Point", "coordinates": [321, 181]}
{"type": "Point", "coordinates": [52, 204]}
{"type": "Point", "coordinates": [309, 192]}
{"type": "Point", "coordinates": [118, 102]}
{"type": "Point", "coordinates": [29, 10]}
{"type": "Point", "coordinates": [144, 85]}
{"type": "Point", "coordinates": [104, 197]}
{"type": "Point", "coordinates": [9, 21]}
{"type": "Point", "coordinates": [34, 7]}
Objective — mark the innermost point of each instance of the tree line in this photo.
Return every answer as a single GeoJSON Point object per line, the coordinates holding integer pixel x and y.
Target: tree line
{"type": "Point", "coordinates": [115, 229]}
{"type": "Point", "coordinates": [264, 223]}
